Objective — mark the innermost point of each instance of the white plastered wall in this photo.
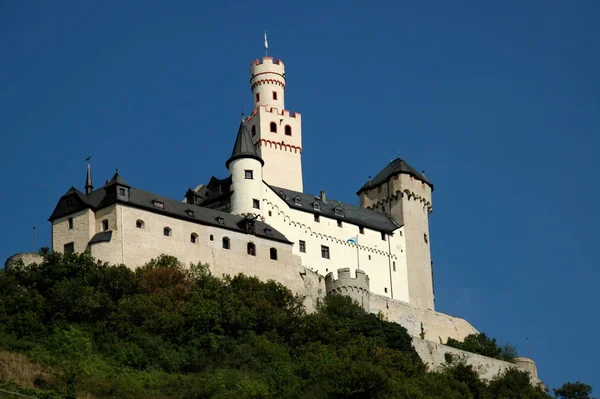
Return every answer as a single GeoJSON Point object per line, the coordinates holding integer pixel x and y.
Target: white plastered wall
{"type": "Point", "coordinates": [245, 190]}
{"type": "Point", "coordinates": [83, 230]}
{"type": "Point", "coordinates": [297, 225]}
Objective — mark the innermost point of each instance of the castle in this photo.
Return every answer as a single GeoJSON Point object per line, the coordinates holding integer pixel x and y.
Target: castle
{"type": "Point", "coordinates": [258, 221]}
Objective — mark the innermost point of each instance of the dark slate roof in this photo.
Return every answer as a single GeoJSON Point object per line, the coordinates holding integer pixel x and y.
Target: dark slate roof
{"type": "Point", "coordinates": [397, 166]}
{"type": "Point", "coordinates": [103, 236]}
{"type": "Point", "coordinates": [117, 179]}
{"type": "Point", "coordinates": [144, 200]}
{"type": "Point", "coordinates": [352, 214]}
{"type": "Point", "coordinates": [243, 147]}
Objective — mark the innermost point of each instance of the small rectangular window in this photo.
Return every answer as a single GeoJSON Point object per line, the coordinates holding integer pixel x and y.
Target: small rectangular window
{"type": "Point", "coordinates": [121, 191]}
{"type": "Point", "coordinates": [324, 252]}
{"type": "Point", "coordinates": [257, 97]}
{"type": "Point", "coordinates": [302, 246]}
{"type": "Point", "coordinates": [340, 224]}
{"type": "Point", "coordinates": [394, 265]}
{"type": "Point", "coordinates": [69, 248]}
{"type": "Point", "coordinates": [249, 174]}
{"type": "Point", "coordinates": [255, 204]}
{"type": "Point", "coordinates": [274, 95]}
{"type": "Point", "coordinates": [317, 219]}
{"type": "Point", "coordinates": [383, 236]}
{"type": "Point", "coordinates": [385, 290]}
{"type": "Point", "coordinates": [361, 230]}
{"type": "Point", "coordinates": [70, 223]}
{"type": "Point", "coordinates": [425, 238]}
{"type": "Point", "coordinates": [158, 204]}
{"type": "Point", "coordinates": [104, 225]}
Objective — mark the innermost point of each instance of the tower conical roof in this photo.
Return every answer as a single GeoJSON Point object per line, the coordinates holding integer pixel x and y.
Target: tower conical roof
{"type": "Point", "coordinates": [243, 147]}
{"type": "Point", "coordinates": [117, 179]}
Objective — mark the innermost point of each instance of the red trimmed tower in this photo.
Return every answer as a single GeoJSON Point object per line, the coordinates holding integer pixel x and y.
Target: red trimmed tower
{"type": "Point", "coordinates": [276, 133]}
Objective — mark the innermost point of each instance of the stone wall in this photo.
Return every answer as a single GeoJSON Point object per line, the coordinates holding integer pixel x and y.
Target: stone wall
{"type": "Point", "coordinates": [26, 257]}
{"type": "Point", "coordinates": [356, 287]}
{"type": "Point", "coordinates": [434, 355]}
{"type": "Point", "coordinates": [436, 327]}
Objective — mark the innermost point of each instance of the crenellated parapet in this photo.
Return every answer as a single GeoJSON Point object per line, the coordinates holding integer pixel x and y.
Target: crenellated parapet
{"type": "Point", "coordinates": [356, 287]}
{"type": "Point", "coordinates": [403, 194]}
{"type": "Point", "coordinates": [273, 110]}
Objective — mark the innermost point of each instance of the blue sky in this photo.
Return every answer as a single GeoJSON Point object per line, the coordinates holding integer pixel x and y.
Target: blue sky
{"type": "Point", "coordinates": [499, 103]}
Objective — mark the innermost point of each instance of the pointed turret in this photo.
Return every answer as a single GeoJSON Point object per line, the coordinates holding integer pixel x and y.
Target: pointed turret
{"type": "Point", "coordinates": [89, 187]}
{"type": "Point", "coordinates": [245, 166]}
{"type": "Point", "coordinates": [243, 147]}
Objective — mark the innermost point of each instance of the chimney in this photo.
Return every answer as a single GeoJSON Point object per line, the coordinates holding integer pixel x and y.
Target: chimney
{"type": "Point", "coordinates": [323, 196]}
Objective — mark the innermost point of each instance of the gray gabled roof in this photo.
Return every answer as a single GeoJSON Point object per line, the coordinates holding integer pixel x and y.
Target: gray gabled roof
{"type": "Point", "coordinates": [349, 213]}
{"type": "Point", "coordinates": [141, 199]}
{"type": "Point", "coordinates": [397, 166]}
{"type": "Point", "coordinates": [243, 147]}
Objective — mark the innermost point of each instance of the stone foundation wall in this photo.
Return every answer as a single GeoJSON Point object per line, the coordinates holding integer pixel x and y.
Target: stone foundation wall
{"type": "Point", "coordinates": [434, 356]}
{"type": "Point", "coordinates": [436, 327]}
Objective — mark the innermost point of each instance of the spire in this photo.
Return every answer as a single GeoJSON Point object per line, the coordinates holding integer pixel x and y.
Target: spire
{"type": "Point", "coordinates": [89, 187]}
{"type": "Point", "coordinates": [243, 147]}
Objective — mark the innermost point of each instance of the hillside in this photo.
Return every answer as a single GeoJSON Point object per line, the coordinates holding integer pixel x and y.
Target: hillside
{"type": "Point", "coordinates": [72, 327]}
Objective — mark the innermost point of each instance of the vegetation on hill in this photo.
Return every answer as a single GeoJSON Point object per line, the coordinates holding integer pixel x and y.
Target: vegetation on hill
{"type": "Point", "coordinates": [73, 327]}
{"type": "Point", "coordinates": [483, 345]}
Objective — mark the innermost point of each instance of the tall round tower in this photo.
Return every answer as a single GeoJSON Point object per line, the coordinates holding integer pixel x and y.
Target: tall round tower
{"type": "Point", "coordinates": [245, 167]}
{"type": "Point", "coordinates": [276, 132]}
{"type": "Point", "coordinates": [267, 81]}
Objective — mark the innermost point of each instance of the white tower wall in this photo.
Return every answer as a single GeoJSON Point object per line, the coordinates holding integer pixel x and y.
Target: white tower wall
{"type": "Point", "coordinates": [276, 132]}
{"type": "Point", "coordinates": [246, 190]}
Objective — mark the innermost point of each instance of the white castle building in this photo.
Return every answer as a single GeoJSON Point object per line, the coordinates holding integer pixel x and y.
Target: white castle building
{"type": "Point", "coordinates": [260, 211]}
{"type": "Point", "coordinates": [258, 221]}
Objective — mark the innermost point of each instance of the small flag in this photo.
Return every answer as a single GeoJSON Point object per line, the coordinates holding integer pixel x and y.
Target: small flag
{"type": "Point", "coordinates": [353, 240]}
{"type": "Point", "coordinates": [266, 42]}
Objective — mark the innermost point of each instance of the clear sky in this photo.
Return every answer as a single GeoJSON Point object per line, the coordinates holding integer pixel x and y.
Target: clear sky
{"type": "Point", "coordinates": [499, 102]}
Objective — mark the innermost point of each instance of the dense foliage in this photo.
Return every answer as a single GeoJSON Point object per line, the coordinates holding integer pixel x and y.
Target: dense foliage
{"type": "Point", "coordinates": [169, 331]}
{"type": "Point", "coordinates": [483, 345]}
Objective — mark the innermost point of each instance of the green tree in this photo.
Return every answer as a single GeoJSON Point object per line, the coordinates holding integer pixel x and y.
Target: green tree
{"type": "Point", "coordinates": [574, 390]}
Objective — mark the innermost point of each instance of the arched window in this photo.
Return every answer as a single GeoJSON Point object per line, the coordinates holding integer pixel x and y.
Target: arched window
{"type": "Point", "coordinates": [288, 130]}
{"type": "Point", "coordinates": [193, 238]}
{"type": "Point", "coordinates": [167, 231]}
{"type": "Point", "coordinates": [253, 130]}
{"type": "Point", "coordinates": [226, 244]}
{"type": "Point", "coordinates": [273, 126]}
{"type": "Point", "coordinates": [139, 224]}
{"type": "Point", "coordinates": [105, 225]}
{"type": "Point", "coordinates": [212, 238]}
{"type": "Point", "coordinates": [251, 249]}
{"type": "Point", "coordinates": [273, 253]}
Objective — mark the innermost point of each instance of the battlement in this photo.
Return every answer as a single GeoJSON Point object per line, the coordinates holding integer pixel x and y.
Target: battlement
{"type": "Point", "coordinates": [275, 111]}
{"type": "Point", "coordinates": [357, 287]}
{"type": "Point", "coordinates": [267, 64]}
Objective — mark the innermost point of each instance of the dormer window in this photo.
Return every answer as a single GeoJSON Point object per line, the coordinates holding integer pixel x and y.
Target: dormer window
{"type": "Point", "coordinates": [297, 200]}
{"type": "Point", "coordinates": [122, 191]}
{"type": "Point", "coordinates": [269, 232]}
{"type": "Point", "coordinates": [220, 220]}
{"type": "Point", "coordinates": [316, 206]}
{"type": "Point", "coordinates": [190, 213]}
{"type": "Point", "coordinates": [339, 211]}
{"type": "Point", "coordinates": [282, 195]}
{"type": "Point", "coordinates": [158, 204]}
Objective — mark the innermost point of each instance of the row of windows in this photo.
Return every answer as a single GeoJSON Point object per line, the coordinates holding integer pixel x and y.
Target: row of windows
{"type": "Point", "coordinates": [273, 129]}
{"type": "Point", "coordinates": [258, 96]}
{"type": "Point", "coordinates": [324, 249]}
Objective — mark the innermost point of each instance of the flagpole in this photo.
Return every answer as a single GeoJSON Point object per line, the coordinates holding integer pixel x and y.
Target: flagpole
{"type": "Point", "coordinates": [357, 254]}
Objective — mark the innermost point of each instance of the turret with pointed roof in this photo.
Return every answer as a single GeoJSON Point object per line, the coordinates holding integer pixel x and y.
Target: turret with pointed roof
{"type": "Point", "coordinates": [246, 168]}
{"type": "Point", "coordinates": [243, 147]}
